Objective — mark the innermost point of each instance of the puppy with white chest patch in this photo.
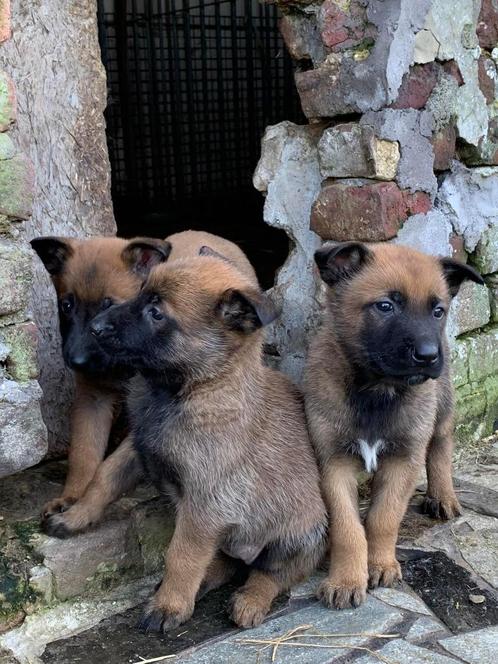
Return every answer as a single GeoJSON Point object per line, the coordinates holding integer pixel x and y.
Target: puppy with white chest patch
{"type": "Point", "coordinates": [379, 398]}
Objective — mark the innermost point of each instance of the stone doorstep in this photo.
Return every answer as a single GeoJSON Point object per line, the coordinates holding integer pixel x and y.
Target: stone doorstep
{"type": "Point", "coordinates": [128, 545]}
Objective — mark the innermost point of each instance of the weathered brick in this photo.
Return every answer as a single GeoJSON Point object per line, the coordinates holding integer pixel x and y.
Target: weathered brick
{"type": "Point", "coordinates": [417, 203]}
{"type": "Point", "coordinates": [22, 341]}
{"type": "Point", "coordinates": [485, 257]}
{"type": "Point", "coordinates": [444, 145]}
{"type": "Point", "coordinates": [7, 101]}
{"type": "Point", "coordinates": [5, 30]}
{"type": "Point", "coordinates": [487, 25]}
{"type": "Point", "coordinates": [470, 309]}
{"type": "Point", "coordinates": [458, 248]}
{"type": "Point", "coordinates": [352, 150]}
{"type": "Point", "coordinates": [483, 354]}
{"type": "Point", "coordinates": [300, 34]}
{"type": "Point", "coordinates": [16, 187]}
{"type": "Point", "coordinates": [358, 210]}
{"type": "Point", "coordinates": [416, 86]}
{"type": "Point", "coordinates": [452, 69]}
{"type": "Point", "coordinates": [320, 91]}
{"type": "Point", "coordinates": [487, 77]}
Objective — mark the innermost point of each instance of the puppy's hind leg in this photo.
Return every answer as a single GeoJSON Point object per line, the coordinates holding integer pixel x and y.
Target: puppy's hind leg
{"type": "Point", "coordinates": [280, 566]}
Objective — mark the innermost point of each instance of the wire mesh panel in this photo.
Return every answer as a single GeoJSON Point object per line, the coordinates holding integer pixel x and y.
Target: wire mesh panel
{"type": "Point", "coordinates": [192, 86]}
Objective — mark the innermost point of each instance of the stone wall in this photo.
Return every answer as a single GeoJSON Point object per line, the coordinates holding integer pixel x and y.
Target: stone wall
{"type": "Point", "coordinates": [23, 437]}
{"type": "Point", "coordinates": [53, 59]}
{"type": "Point", "coordinates": [402, 146]}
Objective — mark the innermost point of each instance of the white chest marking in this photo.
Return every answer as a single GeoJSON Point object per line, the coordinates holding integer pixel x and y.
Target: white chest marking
{"type": "Point", "coordinates": [369, 452]}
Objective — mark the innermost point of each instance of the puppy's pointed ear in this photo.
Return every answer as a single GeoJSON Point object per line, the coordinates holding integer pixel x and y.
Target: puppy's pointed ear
{"type": "Point", "coordinates": [456, 273]}
{"type": "Point", "coordinates": [246, 311]}
{"type": "Point", "coordinates": [142, 254]}
{"type": "Point", "coordinates": [342, 260]}
{"type": "Point", "coordinates": [53, 251]}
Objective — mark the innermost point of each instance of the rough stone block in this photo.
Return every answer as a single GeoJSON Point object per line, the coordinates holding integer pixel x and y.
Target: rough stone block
{"type": "Point", "coordinates": [16, 187]}
{"type": "Point", "coordinates": [444, 146]}
{"type": "Point", "coordinates": [487, 78]}
{"type": "Point", "coordinates": [413, 131]}
{"type": "Point", "coordinates": [487, 25]}
{"type": "Point", "coordinates": [301, 36]}
{"type": "Point", "coordinates": [7, 102]}
{"type": "Point", "coordinates": [15, 277]}
{"type": "Point", "coordinates": [5, 31]}
{"type": "Point", "coordinates": [416, 86]}
{"type": "Point", "coordinates": [22, 340]}
{"type": "Point", "coordinates": [460, 362]}
{"type": "Point", "coordinates": [430, 233]}
{"type": "Point", "coordinates": [23, 437]}
{"type": "Point", "coordinates": [492, 283]}
{"type": "Point", "coordinates": [485, 257]}
{"type": "Point", "coordinates": [483, 354]}
{"type": "Point", "coordinates": [350, 150]}
{"type": "Point", "coordinates": [153, 524]}
{"type": "Point", "coordinates": [320, 92]}
{"type": "Point", "coordinates": [358, 210]}
{"type": "Point", "coordinates": [469, 310]}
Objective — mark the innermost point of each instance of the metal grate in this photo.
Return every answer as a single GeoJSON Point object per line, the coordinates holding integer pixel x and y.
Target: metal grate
{"type": "Point", "coordinates": [192, 86]}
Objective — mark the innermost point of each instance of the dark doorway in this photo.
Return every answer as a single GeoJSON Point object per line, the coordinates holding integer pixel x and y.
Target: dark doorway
{"type": "Point", "coordinates": [192, 86]}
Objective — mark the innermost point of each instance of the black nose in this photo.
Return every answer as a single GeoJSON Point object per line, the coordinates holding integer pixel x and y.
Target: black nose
{"type": "Point", "coordinates": [78, 361]}
{"type": "Point", "coordinates": [426, 353]}
{"type": "Point", "coordinates": [101, 328]}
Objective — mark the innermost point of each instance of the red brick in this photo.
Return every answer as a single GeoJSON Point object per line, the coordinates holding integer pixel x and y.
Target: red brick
{"type": "Point", "coordinates": [486, 83]}
{"type": "Point", "coordinates": [416, 86]}
{"type": "Point", "coordinates": [487, 24]}
{"type": "Point", "coordinates": [452, 69]}
{"type": "Point", "coordinates": [444, 145]}
{"type": "Point", "coordinates": [341, 29]}
{"type": "Point", "coordinates": [358, 210]}
{"type": "Point", "coordinates": [418, 202]}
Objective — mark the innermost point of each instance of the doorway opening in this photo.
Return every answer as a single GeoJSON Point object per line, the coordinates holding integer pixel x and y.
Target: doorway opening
{"type": "Point", "coordinates": [191, 87]}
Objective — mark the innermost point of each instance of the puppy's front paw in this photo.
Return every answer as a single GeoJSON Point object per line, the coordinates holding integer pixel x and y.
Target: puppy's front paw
{"type": "Point", "coordinates": [247, 609]}
{"type": "Point", "coordinates": [162, 615]}
{"type": "Point", "coordinates": [65, 524]}
{"type": "Point", "coordinates": [339, 592]}
{"type": "Point", "coordinates": [445, 509]}
{"type": "Point", "coordinates": [384, 574]}
{"type": "Point", "coordinates": [57, 506]}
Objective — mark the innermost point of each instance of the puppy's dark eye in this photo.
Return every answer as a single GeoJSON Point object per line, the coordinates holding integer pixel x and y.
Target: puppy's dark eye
{"type": "Point", "coordinates": [384, 306]}
{"type": "Point", "coordinates": [156, 313]}
{"type": "Point", "coordinates": [67, 304]}
{"type": "Point", "coordinates": [106, 303]}
{"type": "Point", "coordinates": [438, 312]}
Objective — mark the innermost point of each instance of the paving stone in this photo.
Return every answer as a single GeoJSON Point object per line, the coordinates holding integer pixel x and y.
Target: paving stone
{"type": "Point", "coordinates": [424, 629]}
{"type": "Point", "coordinates": [477, 497]}
{"type": "Point", "coordinates": [474, 537]}
{"type": "Point", "coordinates": [479, 647]}
{"type": "Point", "coordinates": [401, 651]}
{"type": "Point", "coordinates": [28, 641]}
{"type": "Point", "coordinates": [371, 617]}
{"type": "Point", "coordinates": [403, 600]}
{"type": "Point", "coordinates": [308, 588]}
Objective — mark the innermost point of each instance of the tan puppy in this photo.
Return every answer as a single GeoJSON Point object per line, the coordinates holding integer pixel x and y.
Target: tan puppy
{"type": "Point", "coordinates": [89, 276]}
{"type": "Point", "coordinates": [220, 433]}
{"type": "Point", "coordinates": [379, 397]}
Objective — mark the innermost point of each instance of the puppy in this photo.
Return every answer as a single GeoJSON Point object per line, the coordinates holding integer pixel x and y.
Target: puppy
{"type": "Point", "coordinates": [379, 397]}
{"type": "Point", "coordinates": [89, 276]}
{"type": "Point", "coordinates": [220, 433]}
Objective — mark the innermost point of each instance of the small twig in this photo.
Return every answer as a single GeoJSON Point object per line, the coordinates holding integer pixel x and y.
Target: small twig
{"type": "Point", "coordinates": [339, 646]}
{"type": "Point", "coordinates": [154, 659]}
{"type": "Point", "coordinates": [288, 635]}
